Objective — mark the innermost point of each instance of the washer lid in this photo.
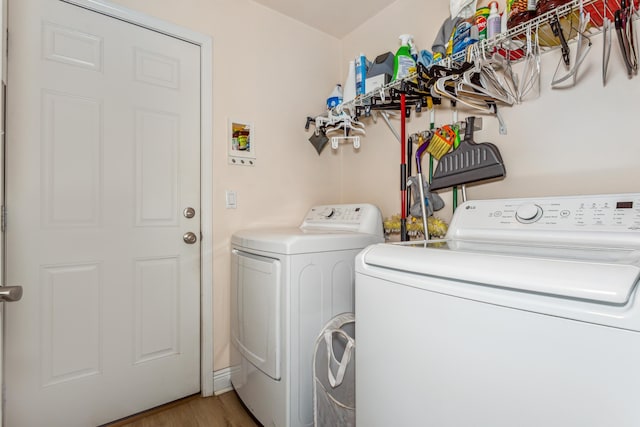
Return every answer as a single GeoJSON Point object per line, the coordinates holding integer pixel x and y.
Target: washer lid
{"type": "Point", "coordinates": [288, 241]}
{"type": "Point", "coordinates": [604, 275]}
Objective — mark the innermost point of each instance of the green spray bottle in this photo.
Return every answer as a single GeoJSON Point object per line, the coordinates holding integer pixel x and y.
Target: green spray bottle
{"type": "Point", "coordinates": [403, 63]}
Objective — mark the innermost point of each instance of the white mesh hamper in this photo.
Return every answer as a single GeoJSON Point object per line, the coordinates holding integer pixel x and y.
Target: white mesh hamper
{"type": "Point", "coordinates": [334, 385]}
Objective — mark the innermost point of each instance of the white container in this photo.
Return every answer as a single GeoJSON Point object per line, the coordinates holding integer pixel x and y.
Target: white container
{"type": "Point", "coordinates": [493, 21]}
{"type": "Point", "coordinates": [350, 83]}
{"type": "Point", "coordinates": [335, 98]}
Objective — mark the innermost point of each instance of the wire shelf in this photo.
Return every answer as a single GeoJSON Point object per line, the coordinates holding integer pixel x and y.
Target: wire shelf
{"type": "Point", "coordinates": [511, 43]}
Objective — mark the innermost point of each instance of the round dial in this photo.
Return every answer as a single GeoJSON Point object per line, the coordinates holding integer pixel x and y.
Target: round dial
{"type": "Point", "coordinates": [328, 212]}
{"type": "Point", "coordinates": [529, 213]}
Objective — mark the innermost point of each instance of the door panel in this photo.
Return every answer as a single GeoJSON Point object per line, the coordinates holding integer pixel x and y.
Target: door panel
{"type": "Point", "coordinates": [103, 156]}
{"type": "Point", "coordinates": [256, 286]}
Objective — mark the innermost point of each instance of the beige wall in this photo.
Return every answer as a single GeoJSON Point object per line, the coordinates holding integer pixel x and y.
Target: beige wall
{"type": "Point", "coordinates": [574, 141]}
{"type": "Point", "coordinates": [271, 71]}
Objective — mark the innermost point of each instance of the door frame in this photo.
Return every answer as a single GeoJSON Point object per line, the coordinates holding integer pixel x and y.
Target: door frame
{"type": "Point", "coordinates": [3, 105]}
{"type": "Point", "coordinates": [205, 42]}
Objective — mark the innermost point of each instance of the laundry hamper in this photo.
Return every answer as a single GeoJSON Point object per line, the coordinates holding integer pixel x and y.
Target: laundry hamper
{"type": "Point", "coordinates": [334, 373]}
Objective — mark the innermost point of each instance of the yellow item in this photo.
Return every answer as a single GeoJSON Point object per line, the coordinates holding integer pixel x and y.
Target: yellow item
{"type": "Point", "coordinates": [437, 227]}
{"type": "Point", "coordinates": [441, 141]}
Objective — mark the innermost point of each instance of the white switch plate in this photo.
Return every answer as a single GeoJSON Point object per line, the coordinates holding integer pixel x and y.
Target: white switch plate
{"type": "Point", "coordinates": [230, 199]}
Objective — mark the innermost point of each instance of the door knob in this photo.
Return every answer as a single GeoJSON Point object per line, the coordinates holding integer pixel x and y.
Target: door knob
{"type": "Point", "coordinates": [10, 293]}
{"type": "Point", "coordinates": [189, 238]}
{"type": "Point", "coordinates": [189, 212]}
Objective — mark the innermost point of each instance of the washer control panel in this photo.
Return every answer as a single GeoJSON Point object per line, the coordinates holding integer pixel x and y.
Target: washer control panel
{"type": "Point", "coordinates": [363, 218]}
{"type": "Point", "coordinates": [618, 212]}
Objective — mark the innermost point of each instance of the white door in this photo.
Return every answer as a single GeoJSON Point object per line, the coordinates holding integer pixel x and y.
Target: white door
{"type": "Point", "coordinates": [102, 161]}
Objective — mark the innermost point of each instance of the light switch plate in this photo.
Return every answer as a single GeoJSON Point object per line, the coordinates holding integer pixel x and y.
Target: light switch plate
{"type": "Point", "coordinates": [230, 199]}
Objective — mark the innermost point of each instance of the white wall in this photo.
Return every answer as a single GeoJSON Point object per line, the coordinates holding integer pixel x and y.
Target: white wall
{"type": "Point", "coordinates": [574, 141]}
{"type": "Point", "coordinates": [273, 71]}
{"type": "Point", "coordinates": [372, 173]}
{"type": "Point", "coordinates": [267, 70]}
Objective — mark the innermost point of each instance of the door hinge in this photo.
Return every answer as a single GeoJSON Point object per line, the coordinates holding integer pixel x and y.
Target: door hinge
{"type": "Point", "coordinates": [3, 218]}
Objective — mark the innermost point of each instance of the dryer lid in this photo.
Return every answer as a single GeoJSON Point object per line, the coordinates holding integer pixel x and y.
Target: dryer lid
{"type": "Point", "coordinates": [603, 275]}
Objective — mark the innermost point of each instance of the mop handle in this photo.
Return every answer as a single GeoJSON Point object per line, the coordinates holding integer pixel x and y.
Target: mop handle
{"type": "Point", "coordinates": [403, 169]}
{"type": "Point", "coordinates": [419, 152]}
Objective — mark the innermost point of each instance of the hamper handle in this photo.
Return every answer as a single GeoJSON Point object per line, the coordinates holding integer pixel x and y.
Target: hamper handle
{"type": "Point", "coordinates": [344, 361]}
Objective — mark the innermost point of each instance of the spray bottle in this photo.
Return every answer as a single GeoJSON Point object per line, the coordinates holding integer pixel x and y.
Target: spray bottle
{"type": "Point", "coordinates": [493, 21]}
{"type": "Point", "coordinates": [403, 63]}
{"type": "Point", "coordinates": [413, 50]}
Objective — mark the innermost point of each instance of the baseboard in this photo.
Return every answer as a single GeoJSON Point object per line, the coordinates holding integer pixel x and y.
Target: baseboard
{"type": "Point", "coordinates": [222, 381]}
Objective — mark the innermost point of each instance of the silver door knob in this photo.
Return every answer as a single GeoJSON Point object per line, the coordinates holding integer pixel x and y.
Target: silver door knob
{"type": "Point", "coordinates": [189, 212]}
{"type": "Point", "coordinates": [189, 238]}
{"type": "Point", "coordinates": [10, 293]}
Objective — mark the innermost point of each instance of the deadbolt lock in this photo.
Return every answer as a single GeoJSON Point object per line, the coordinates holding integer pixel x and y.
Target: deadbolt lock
{"type": "Point", "coordinates": [189, 212]}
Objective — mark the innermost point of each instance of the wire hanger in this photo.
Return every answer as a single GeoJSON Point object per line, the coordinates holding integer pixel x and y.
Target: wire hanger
{"type": "Point", "coordinates": [531, 71]}
{"type": "Point", "coordinates": [583, 46]}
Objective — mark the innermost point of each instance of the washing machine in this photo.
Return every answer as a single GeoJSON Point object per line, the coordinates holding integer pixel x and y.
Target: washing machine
{"type": "Point", "coordinates": [286, 284]}
{"type": "Point", "coordinates": [527, 314]}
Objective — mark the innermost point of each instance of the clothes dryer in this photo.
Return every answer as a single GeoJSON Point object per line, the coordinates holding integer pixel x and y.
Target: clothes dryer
{"type": "Point", "coordinates": [286, 284]}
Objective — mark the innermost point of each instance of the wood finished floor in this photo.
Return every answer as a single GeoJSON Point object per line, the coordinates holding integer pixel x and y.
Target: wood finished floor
{"type": "Point", "coordinates": [224, 410]}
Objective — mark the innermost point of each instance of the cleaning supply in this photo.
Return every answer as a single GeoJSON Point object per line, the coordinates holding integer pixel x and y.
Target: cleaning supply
{"type": "Point", "coordinates": [465, 35]}
{"type": "Point", "coordinates": [482, 15]}
{"type": "Point", "coordinates": [493, 21]}
{"type": "Point", "coordinates": [441, 142]}
{"type": "Point", "coordinates": [403, 62]}
{"type": "Point", "coordinates": [471, 162]}
{"type": "Point", "coordinates": [350, 83]}
{"type": "Point", "coordinates": [335, 98]}
{"type": "Point", "coordinates": [413, 50]}
{"type": "Point", "coordinates": [361, 74]}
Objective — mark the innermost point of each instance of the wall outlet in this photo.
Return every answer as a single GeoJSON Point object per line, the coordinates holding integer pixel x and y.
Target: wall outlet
{"type": "Point", "coordinates": [230, 199]}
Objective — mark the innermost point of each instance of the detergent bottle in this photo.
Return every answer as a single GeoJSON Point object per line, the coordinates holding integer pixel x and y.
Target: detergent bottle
{"type": "Point", "coordinates": [361, 74]}
{"type": "Point", "coordinates": [403, 63]}
{"type": "Point", "coordinates": [335, 98]}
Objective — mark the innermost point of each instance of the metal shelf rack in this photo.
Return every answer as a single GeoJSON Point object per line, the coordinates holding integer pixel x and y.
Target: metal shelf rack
{"type": "Point", "coordinates": [567, 14]}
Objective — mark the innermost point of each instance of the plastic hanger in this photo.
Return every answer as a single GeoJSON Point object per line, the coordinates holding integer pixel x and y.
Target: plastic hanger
{"type": "Point", "coordinates": [606, 41]}
{"type": "Point", "coordinates": [531, 70]}
{"type": "Point", "coordinates": [483, 80]}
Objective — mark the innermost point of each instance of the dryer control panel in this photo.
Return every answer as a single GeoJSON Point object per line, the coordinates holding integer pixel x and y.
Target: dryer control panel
{"type": "Point", "coordinates": [361, 218]}
{"type": "Point", "coordinates": [575, 219]}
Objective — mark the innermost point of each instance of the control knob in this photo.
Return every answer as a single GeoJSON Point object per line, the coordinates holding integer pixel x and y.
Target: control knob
{"type": "Point", "coordinates": [528, 213]}
{"type": "Point", "coordinates": [328, 212]}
